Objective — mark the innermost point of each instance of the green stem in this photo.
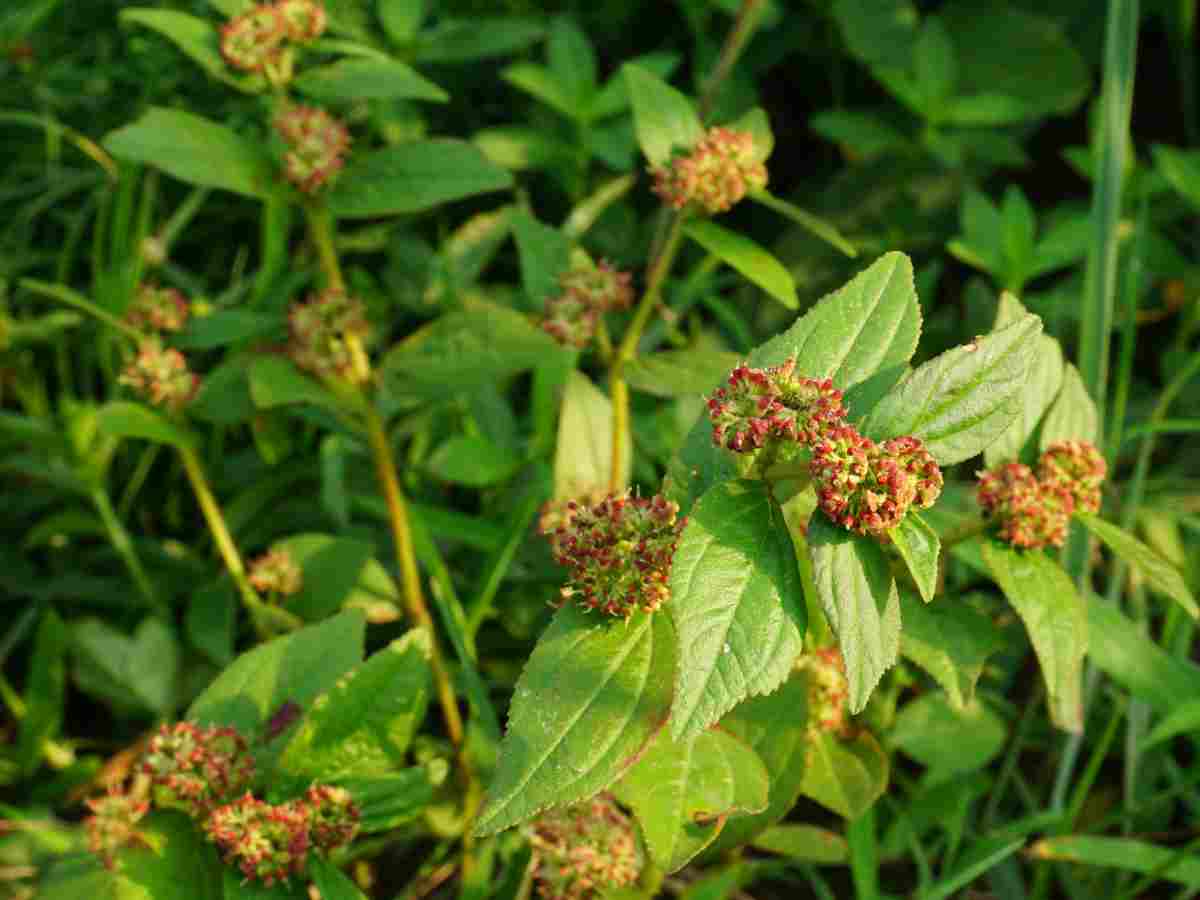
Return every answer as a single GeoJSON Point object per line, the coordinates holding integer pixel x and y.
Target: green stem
{"type": "Point", "coordinates": [64, 294]}
{"type": "Point", "coordinates": [747, 21]}
{"type": "Point", "coordinates": [123, 544]}
{"type": "Point", "coordinates": [320, 227]}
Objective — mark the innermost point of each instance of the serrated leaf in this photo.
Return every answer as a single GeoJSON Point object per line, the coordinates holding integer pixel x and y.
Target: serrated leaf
{"type": "Point", "coordinates": [948, 740]}
{"type": "Point", "coordinates": [746, 257]}
{"type": "Point", "coordinates": [737, 604]}
{"type": "Point", "coordinates": [918, 545]}
{"type": "Point", "coordinates": [949, 640]}
{"type": "Point", "coordinates": [583, 456]}
{"type": "Point", "coordinates": [132, 420]}
{"type": "Point", "coordinates": [593, 694]}
{"type": "Point", "coordinates": [845, 776]}
{"type": "Point", "coordinates": [962, 400]}
{"type": "Point", "coordinates": [1056, 619]}
{"type": "Point", "coordinates": [1073, 415]}
{"type": "Point", "coordinates": [367, 78]}
{"type": "Point", "coordinates": [363, 725]}
{"type": "Point", "coordinates": [1160, 575]}
{"type": "Point", "coordinates": [860, 600]}
{"type": "Point", "coordinates": [663, 118]}
{"type": "Point", "coordinates": [682, 792]}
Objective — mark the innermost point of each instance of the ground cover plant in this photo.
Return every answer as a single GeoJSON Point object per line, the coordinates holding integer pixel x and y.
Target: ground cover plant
{"type": "Point", "coordinates": [496, 450]}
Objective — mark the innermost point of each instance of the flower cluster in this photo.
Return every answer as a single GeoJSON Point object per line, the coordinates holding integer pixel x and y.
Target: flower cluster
{"type": "Point", "coordinates": [196, 769]}
{"type": "Point", "coordinates": [828, 689]}
{"type": "Point", "coordinates": [582, 850]}
{"type": "Point", "coordinates": [275, 572]}
{"type": "Point", "coordinates": [161, 375]}
{"type": "Point", "coordinates": [316, 142]}
{"type": "Point", "coordinates": [619, 552]}
{"type": "Point", "coordinates": [587, 293]}
{"type": "Point", "coordinates": [113, 824]}
{"type": "Point", "coordinates": [719, 171]}
{"type": "Point", "coordinates": [157, 308]}
{"type": "Point", "coordinates": [320, 328]}
{"type": "Point", "coordinates": [333, 816]}
{"type": "Point", "coordinates": [1034, 509]}
{"type": "Point", "coordinates": [257, 40]}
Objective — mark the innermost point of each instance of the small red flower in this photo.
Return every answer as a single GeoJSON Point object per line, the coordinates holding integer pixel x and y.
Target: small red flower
{"type": "Point", "coordinates": [1030, 512]}
{"type": "Point", "coordinates": [320, 328]}
{"type": "Point", "coordinates": [583, 850]}
{"type": "Point", "coordinates": [157, 309]}
{"type": "Point", "coordinates": [113, 824]}
{"type": "Point", "coordinates": [275, 572]}
{"type": "Point", "coordinates": [715, 175]}
{"type": "Point", "coordinates": [194, 769]}
{"type": "Point", "coordinates": [254, 40]}
{"type": "Point", "coordinates": [1076, 467]}
{"type": "Point", "coordinates": [161, 376]}
{"type": "Point", "coordinates": [317, 144]}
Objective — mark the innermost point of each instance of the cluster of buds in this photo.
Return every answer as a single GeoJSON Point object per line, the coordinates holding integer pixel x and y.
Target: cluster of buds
{"type": "Point", "coordinates": [1034, 509]}
{"type": "Point", "coordinates": [333, 816]}
{"type": "Point", "coordinates": [258, 39]}
{"type": "Point", "coordinates": [113, 824]}
{"type": "Point", "coordinates": [587, 293]}
{"type": "Point", "coordinates": [583, 850]}
{"type": "Point", "coordinates": [719, 171]}
{"type": "Point", "coordinates": [276, 573]}
{"type": "Point", "coordinates": [156, 308]}
{"type": "Point", "coordinates": [196, 769]}
{"type": "Point", "coordinates": [327, 332]}
{"type": "Point", "coordinates": [868, 487]}
{"type": "Point", "coordinates": [161, 375]}
{"type": "Point", "coordinates": [773, 404]}
{"type": "Point", "coordinates": [619, 552]}
{"type": "Point", "coordinates": [828, 689]}
{"type": "Point", "coordinates": [316, 142]}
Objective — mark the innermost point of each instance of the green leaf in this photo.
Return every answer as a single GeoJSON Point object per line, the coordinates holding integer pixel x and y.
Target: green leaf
{"type": "Point", "coordinates": [747, 257]}
{"type": "Point", "coordinates": [545, 254]}
{"type": "Point", "coordinates": [1160, 575]}
{"type": "Point", "coordinates": [331, 881]}
{"type": "Point", "coordinates": [679, 373]}
{"type": "Point", "coordinates": [364, 724]}
{"type": "Point", "coordinates": [935, 65]}
{"type": "Point", "coordinates": [1126, 854]}
{"type": "Point", "coordinates": [918, 545]}
{"type": "Point", "coordinates": [1073, 415]}
{"type": "Point", "coordinates": [1056, 619]}
{"type": "Point", "coordinates": [140, 670]}
{"type": "Point", "coordinates": [474, 462]}
{"type": "Point", "coordinates": [414, 177]}
{"type": "Point", "coordinates": [583, 456]}
{"type": "Point", "coordinates": [737, 604]}
{"type": "Point", "coordinates": [388, 801]}
{"type": "Point", "coordinates": [481, 37]}
{"type": "Point", "coordinates": [961, 401]}
{"type": "Point", "coordinates": [367, 78]}
{"type": "Point", "coordinates": [45, 691]}
{"type": "Point", "coordinates": [293, 669]}
{"type": "Point", "coordinates": [846, 777]}
{"type": "Point", "coordinates": [196, 150]}
{"type": "Point", "coordinates": [1181, 169]}
{"type": "Point", "coordinates": [810, 222]}
{"type": "Point", "coordinates": [948, 740]}
{"type": "Point", "coordinates": [805, 844]}
{"type": "Point", "coordinates": [1121, 650]}
{"type": "Point", "coordinates": [132, 420]}
{"type": "Point", "coordinates": [1041, 387]}
{"type": "Point", "coordinates": [178, 863]}
{"type": "Point", "coordinates": [275, 381]}
{"type": "Point", "coordinates": [1184, 720]}
{"type": "Point", "coordinates": [197, 38]}
{"type": "Point", "coordinates": [228, 326]}
{"type": "Point", "coordinates": [879, 32]}
{"type": "Point", "coordinates": [950, 641]}
{"type": "Point", "coordinates": [861, 603]}
{"type": "Point", "coordinates": [664, 119]}
{"type": "Point", "coordinates": [593, 694]}
{"type": "Point", "coordinates": [338, 573]}
{"type": "Point", "coordinates": [1020, 234]}
{"type": "Point", "coordinates": [401, 19]}
{"type": "Point", "coordinates": [573, 63]}
{"type": "Point", "coordinates": [682, 791]}
{"type": "Point", "coordinates": [861, 132]}
{"type": "Point", "coordinates": [211, 619]}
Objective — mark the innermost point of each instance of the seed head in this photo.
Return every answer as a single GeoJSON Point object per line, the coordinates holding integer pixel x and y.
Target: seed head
{"type": "Point", "coordinates": [1030, 512]}
{"type": "Point", "coordinates": [860, 484]}
{"type": "Point", "coordinates": [304, 20]}
{"type": "Point", "coordinates": [113, 824]}
{"type": "Point", "coordinates": [910, 454]}
{"type": "Point", "coordinates": [585, 849]}
{"type": "Point", "coordinates": [161, 376]}
{"type": "Point", "coordinates": [320, 328]}
{"type": "Point", "coordinates": [265, 842]}
{"type": "Point", "coordinates": [828, 689]}
{"type": "Point", "coordinates": [253, 41]}
{"type": "Point", "coordinates": [587, 293]}
{"type": "Point", "coordinates": [275, 572]}
{"type": "Point", "coordinates": [157, 308]}
{"type": "Point", "coordinates": [1078, 468]}
{"type": "Point", "coordinates": [196, 769]}
{"type": "Point", "coordinates": [333, 816]}
{"type": "Point", "coordinates": [718, 172]}
{"type": "Point", "coordinates": [317, 144]}
{"type": "Point", "coordinates": [618, 552]}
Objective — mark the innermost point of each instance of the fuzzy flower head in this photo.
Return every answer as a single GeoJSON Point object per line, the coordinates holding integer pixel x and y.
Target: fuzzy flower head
{"type": "Point", "coordinates": [719, 171]}
{"type": "Point", "coordinates": [859, 484]}
{"type": "Point", "coordinates": [195, 769]}
{"type": "Point", "coordinates": [570, 320]}
{"type": "Point", "coordinates": [265, 842]}
{"type": "Point", "coordinates": [587, 293]}
{"type": "Point", "coordinates": [304, 20]}
{"type": "Point", "coordinates": [161, 376]}
{"type": "Point", "coordinates": [828, 690]}
{"type": "Point", "coordinates": [321, 328]}
{"type": "Point", "coordinates": [333, 816]}
{"type": "Point", "coordinates": [585, 849]}
{"type": "Point", "coordinates": [912, 457]}
{"type": "Point", "coordinates": [760, 405]}
{"type": "Point", "coordinates": [254, 41]}
{"type": "Point", "coordinates": [1077, 468]}
{"type": "Point", "coordinates": [316, 142]}
{"type": "Point", "coordinates": [1030, 512]}
{"type": "Point", "coordinates": [275, 572]}
{"type": "Point", "coordinates": [157, 308]}
{"type": "Point", "coordinates": [113, 824]}
{"type": "Point", "coordinates": [619, 552]}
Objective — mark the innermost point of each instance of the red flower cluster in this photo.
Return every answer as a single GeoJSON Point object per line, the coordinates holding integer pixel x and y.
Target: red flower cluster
{"type": "Point", "coordinates": [718, 172]}
{"type": "Point", "coordinates": [1034, 510]}
{"type": "Point", "coordinates": [587, 293]}
{"type": "Point", "coordinates": [196, 769]}
{"type": "Point", "coordinates": [317, 144]}
{"type": "Point", "coordinates": [828, 689]}
{"type": "Point", "coordinates": [619, 552]}
{"type": "Point", "coordinates": [257, 40]}
{"type": "Point", "coordinates": [583, 850]}
{"type": "Point", "coordinates": [157, 309]}
{"type": "Point", "coordinates": [319, 328]}
{"type": "Point", "coordinates": [275, 572]}
{"type": "Point", "coordinates": [161, 375]}
{"type": "Point", "coordinates": [333, 819]}
{"type": "Point", "coordinates": [113, 824]}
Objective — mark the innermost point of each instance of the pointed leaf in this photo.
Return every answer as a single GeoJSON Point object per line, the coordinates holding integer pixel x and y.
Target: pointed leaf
{"type": "Point", "coordinates": [1056, 619]}
{"type": "Point", "coordinates": [737, 604]}
{"type": "Point", "coordinates": [679, 373]}
{"type": "Point", "coordinates": [805, 843]}
{"type": "Point", "coordinates": [331, 881]}
{"type": "Point", "coordinates": [1073, 415]}
{"type": "Point", "coordinates": [961, 401]}
{"type": "Point", "coordinates": [132, 420]}
{"type": "Point", "coordinates": [949, 640]}
{"type": "Point", "coordinates": [275, 381]}
{"type": "Point", "coordinates": [197, 38]}
{"type": "Point", "coordinates": [1160, 575]}
{"type": "Point", "coordinates": [367, 78]}
{"type": "Point", "coordinates": [545, 254]}
{"type": "Point", "coordinates": [861, 603]}
{"type": "Point", "coordinates": [748, 258]}
{"type": "Point", "coordinates": [593, 694]}
{"type": "Point", "coordinates": [1127, 854]}
{"type": "Point", "coordinates": [664, 118]}
{"type": "Point", "coordinates": [918, 545]}
{"type": "Point", "coordinates": [948, 741]}
{"type": "Point", "coordinates": [846, 777]}
{"type": "Point", "coordinates": [1184, 720]}
{"type": "Point", "coordinates": [1121, 650]}
{"type": "Point", "coordinates": [583, 458]}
